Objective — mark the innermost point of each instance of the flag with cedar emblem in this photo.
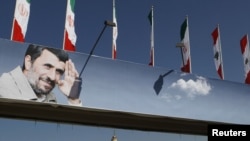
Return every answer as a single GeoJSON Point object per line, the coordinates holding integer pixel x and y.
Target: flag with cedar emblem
{"type": "Point", "coordinates": [244, 43]}
{"type": "Point", "coordinates": [217, 52]}
{"type": "Point", "coordinates": [20, 21]}
{"type": "Point", "coordinates": [69, 32]}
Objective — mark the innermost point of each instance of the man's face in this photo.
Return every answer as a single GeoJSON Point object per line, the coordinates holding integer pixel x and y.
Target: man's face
{"type": "Point", "coordinates": [45, 72]}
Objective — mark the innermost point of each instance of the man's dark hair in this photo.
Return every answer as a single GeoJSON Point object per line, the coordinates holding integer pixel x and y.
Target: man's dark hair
{"type": "Point", "coordinates": [36, 50]}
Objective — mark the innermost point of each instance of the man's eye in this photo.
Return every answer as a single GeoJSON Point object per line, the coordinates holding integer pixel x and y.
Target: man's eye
{"type": "Point", "coordinates": [59, 72]}
{"type": "Point", "coordinates": [46, 67]}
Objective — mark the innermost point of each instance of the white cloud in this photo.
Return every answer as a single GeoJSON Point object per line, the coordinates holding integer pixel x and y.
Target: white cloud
{"type": "Point", "coordinates": [192, 87]}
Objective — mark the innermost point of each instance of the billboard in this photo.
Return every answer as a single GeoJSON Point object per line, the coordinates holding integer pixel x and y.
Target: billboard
{"type": "Point", "coordinates": [129, 87]}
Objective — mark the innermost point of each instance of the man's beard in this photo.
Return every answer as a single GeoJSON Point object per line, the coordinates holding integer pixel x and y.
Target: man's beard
{"type": "Point", "coordinates": [34, 79]}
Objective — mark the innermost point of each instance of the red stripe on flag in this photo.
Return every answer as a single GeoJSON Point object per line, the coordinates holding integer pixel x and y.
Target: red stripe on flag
{"type": "Point", "coordinates": [215, 35]}
{"type": "Point", "coordinates": [114, 52]}
{"type": "Point", "coordinates": [243, 43]}
{"type": "Point", "coordinates": [247, 80]}
{"type": "Point", "coordinates": [67, 43]}
{"type": "Point", "coordinates": [17, 32]}
{"type": "Point", "coordinates": [220, 72]}
{"type": "Point", "coordinates": [186, 68]}
{"type": "Point", "coordinates": [151, 63]}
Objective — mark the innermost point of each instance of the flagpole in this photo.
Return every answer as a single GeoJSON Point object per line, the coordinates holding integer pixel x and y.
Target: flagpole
{"type": "Point", "coordinates": [152, 42]}
{"type": "Point", "coordinates": [152, 36]}
{"type": "Point", "coordinates": [64, 35]}
{"type": "Point", "coordinates": [113, 38]}
{"type": "Point", "coordinates": [247, 56]}
{"type": "Point", "coordinates": [113, 30]}
{"type": "Point", "coordinates": [189, 49]}
{"type": "Point", "coordinates": [12, 30]}
{"type": "Point", "coordinates": [248, 47]}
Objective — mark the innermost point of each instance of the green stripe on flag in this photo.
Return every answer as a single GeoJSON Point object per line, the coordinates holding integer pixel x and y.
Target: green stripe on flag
{"type": "Point", "coordinates": [183, 29]}
{"type": "Point", "coordinates": [72, 4]}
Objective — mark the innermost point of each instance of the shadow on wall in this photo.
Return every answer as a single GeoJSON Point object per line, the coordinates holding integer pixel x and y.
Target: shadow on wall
{"type": "Point", "coordinates": [159, 82]}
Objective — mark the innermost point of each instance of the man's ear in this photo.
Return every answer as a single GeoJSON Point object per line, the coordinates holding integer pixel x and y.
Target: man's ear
{"type": "Point", "coordinates": [27, 62]}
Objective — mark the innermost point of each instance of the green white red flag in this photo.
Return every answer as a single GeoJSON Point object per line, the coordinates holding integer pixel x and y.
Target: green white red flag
{"type": "Point", "coordinates": [115, 32]}
{"type": "Point", "coordinates": [70, 37]}
{"type": "Point", "coordinates": [20, 21]}
{"type": "Point", "coordinates": [244, 43]}
{"type": "Point", "coordinates": [151, 20]}
{"type": "Point", "coordinates": [217, 52]}
{"type": "Point", "coordinates": [184, 32]}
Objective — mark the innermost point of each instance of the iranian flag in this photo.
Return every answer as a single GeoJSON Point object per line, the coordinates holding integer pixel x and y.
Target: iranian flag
{"type": "Point", "coordinates": [244, 43]}
{"type": "Point", "coordinates": [115, 33]}
{"type": "Point", "coordinates": [69, 32]}
{"type": "Point", "coordinates": [185, 49]}
{"type": "Point", "coordinates": [217, 52]}
{"type": "Point", "coordinates": [151, 20]}
{"type": "Point", "coordinates": [20, 21]}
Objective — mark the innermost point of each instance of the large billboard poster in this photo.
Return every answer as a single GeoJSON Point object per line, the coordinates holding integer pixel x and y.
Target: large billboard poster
{"type": "Point", "coordinates": [118, 85]}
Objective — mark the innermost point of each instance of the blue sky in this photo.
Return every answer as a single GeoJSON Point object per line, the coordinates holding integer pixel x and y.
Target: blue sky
{"type": "Point", "coordinates": [47, 19]}
{"type": "Point", "coordinates": [46, 26]}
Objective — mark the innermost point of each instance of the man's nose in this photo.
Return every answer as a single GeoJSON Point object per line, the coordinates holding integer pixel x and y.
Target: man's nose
{"type": "Point", "coordinates": [52, 74]}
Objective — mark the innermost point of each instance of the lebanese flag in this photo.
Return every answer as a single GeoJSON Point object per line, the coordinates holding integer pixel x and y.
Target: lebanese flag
{"type": "Point", "coordinates": [184, 32]}
{"type": "Point", "coordinates": [69, 32]}
{"type": "Point", "coordinates": [244, 43]}
{"type": "Point", "coordinates": [115, 33]}
{"type": "Point", "coordinates": [20, 21]}
{"type": "Point", "coordinates": [151, 20]}
{"type": "Point", "coordinates": [217, 52]}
